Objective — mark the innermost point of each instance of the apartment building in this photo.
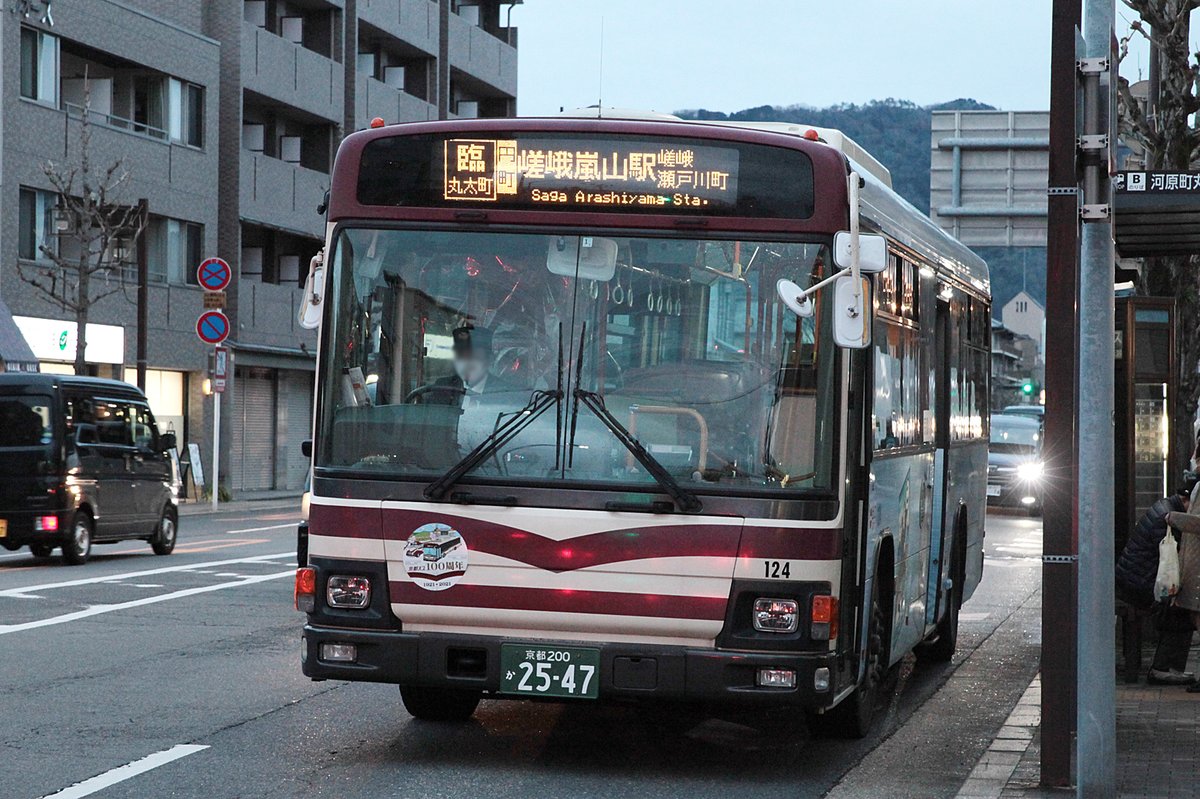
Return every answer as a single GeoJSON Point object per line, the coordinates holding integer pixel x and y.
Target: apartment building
{"type": "Point", "coordinates": [227, 115]}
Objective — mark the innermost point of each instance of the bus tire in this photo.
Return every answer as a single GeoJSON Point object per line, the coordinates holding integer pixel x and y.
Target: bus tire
{"type": "Point", "coordinates": [439, 704]}
{"type": "Point", "coordinates": [941, 648]}
{"type": "Point", "coordinates": [853, 716]}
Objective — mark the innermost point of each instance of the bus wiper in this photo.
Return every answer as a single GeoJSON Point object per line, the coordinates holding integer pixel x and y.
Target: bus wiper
{"type": "Point", "coordinates": [506, 431]}
{"type": "Point", "coordinates": [685, 500]}
{"type": "Point", "coordinates": [539, 401]}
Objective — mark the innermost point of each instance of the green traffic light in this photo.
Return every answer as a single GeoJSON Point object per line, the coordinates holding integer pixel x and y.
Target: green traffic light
{"type": "Point", "coordinates": [1027, 387]}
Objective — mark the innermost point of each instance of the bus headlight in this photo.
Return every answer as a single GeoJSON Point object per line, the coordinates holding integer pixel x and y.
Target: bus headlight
{"type": "Point", "coordinates": [776, 615]}
{"type": "Point", "coordinates": [1030, 471]}
{"type": "Point", "coordinates": [344, 591]}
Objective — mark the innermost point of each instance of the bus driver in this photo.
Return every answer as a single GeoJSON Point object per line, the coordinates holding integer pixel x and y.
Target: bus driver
{"type": "Point", "coordinates": [472, 376]}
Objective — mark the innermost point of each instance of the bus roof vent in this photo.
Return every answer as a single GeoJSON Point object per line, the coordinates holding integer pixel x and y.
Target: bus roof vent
{"type": "Point", "coordinates": [596, 112]}
{"type": "Point", "coordinates": [834, 138]}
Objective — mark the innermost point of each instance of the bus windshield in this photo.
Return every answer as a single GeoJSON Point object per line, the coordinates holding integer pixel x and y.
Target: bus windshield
{"type": "Point", "coordinates": [436, 339]}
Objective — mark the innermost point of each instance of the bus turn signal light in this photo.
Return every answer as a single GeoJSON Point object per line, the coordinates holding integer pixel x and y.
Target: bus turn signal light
{"type": "Point", "coordinates": [824, 618]}
{"type": "Point", "coordinates": [377, 122]}
{"type": "Point", "coordinates": [306, 589]}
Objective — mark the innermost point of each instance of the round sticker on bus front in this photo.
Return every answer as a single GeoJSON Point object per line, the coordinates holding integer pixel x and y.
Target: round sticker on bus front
{"type": "Point", "coordinates": [435, 556]}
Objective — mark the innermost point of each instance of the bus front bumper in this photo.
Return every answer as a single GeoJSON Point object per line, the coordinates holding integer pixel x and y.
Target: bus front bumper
{"type": "Point", "coordinates": [627, 671]}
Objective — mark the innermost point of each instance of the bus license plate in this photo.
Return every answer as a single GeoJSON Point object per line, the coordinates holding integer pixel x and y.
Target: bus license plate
{"type": "Point", "coordinates": [993, 491]}
{"type": "Point", "coordinates": [534, 670]}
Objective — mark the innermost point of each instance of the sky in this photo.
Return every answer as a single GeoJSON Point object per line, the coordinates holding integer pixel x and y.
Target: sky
{"type": "Point", "coordinates": [726, 55]}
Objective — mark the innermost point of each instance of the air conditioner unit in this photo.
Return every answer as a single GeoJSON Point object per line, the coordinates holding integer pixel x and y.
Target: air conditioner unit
{"type": "Point", "coordinates": [253, 137]}
{"type": "Point", "coordinates": [366, 64]}
{"type": "Point", "coordinates": [467, 109]}
{"type": "Point", "coordinates": [289, 269]}
{"type": "Point", "coordinates": [289, 149]}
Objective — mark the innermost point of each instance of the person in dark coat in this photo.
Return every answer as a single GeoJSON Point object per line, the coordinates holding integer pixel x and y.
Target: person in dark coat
{"type": "Point", "coordinates": [472, 376]}
{"type": "Point", "coordinates": [1137, 568]}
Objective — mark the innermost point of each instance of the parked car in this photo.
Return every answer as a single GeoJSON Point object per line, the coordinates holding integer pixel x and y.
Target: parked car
{"type": "Point", "coordinates": [82, 463]}
{"type": "Point", "coordinates": [1036, 411]}
{"type": "Point", "coordinates": [1015, 462]}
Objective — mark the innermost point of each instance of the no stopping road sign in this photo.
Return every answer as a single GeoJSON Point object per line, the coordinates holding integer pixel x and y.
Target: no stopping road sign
{"type": "Point", "coordinates": [214, 274]}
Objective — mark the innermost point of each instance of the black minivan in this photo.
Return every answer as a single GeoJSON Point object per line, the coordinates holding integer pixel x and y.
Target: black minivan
{"type": "Point", "coordinates": [82, 462]}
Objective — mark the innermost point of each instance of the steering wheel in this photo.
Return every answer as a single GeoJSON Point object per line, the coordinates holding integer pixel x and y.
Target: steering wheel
{"type": "Point", "coordinates": [418, 393]}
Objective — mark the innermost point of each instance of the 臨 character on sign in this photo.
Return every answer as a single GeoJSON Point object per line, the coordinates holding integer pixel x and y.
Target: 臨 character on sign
{"type": "Point", "coordinates": [469, 158]}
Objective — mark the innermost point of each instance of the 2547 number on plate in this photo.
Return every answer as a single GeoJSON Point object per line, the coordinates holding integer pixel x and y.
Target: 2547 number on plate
{"type": "Point", "coordinates": [533, 670]}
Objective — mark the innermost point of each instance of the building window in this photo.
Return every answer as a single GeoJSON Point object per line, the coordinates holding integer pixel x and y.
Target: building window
{"type": "Point", "coordinates": [36, 224]}
{"type": "Point", "coordinates": [39, 66]}
{"type": "Point", "coordinates": [185, 112]}
{"type": "Point", "coordinates": [173, 250]}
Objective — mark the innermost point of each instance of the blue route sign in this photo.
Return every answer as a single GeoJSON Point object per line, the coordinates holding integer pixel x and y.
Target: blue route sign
{"type": "Point", "coordinates": [212, 327]}
{"type": "Point", "coordinates": [214, 274]}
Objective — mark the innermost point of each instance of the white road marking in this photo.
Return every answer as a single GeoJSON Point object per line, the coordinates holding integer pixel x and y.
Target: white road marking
{"type": "Point", "coordinates": [96, 610]}
{"type": "Point", "coordinates": [147, 585]}
{"type": "Point", "coordinates": [125, 772]}
{"type": "Point", "coordinates": [17, 592]}
{"type": "Point", "coordinates": [260, 529]}
{"type": "Point", "coordinates": [973, 616]}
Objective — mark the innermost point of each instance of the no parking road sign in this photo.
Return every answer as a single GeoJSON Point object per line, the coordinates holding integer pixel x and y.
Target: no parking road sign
{"type": "Point", "coordinates": [212, 327]}
{"type": "Point", "coordinates": [214, 274]}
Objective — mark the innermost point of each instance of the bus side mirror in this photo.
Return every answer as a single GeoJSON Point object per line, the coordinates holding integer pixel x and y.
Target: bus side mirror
{"type": "Point", "coordinates": [306, 447]}
{"type": "Point", "coordinates": [872, 252]}
{"type": "Point", "coordinates": [314, 287]}
{"type": "Point", "coordinates": [852, 313]}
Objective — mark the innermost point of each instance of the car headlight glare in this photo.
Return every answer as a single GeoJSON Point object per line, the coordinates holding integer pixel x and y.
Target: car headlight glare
{"type": "Point", "coordinates": [1031, 470]}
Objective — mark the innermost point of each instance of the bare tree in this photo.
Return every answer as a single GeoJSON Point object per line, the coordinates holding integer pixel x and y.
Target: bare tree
{"type": "Point", "coordinates": [1168, 131]}
{"type": "Point", "coordinates": [85, 268]}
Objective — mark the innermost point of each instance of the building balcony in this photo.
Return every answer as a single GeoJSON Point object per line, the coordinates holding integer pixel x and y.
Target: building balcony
{"type": "Point", "coordinates": [415, 22]}
{"type": "Point", "coordinates": [482, 56]}
{"type": "Point", "coordinates": [282, 195]}
{"type": "Point", "coordinates": [377, 99]}
{"type": "Point", "coordinates": [267, 315]}
{"type": "Point", "coordinates": [290, 74]}
{"type": "Point", "coordinates": [174, 177]}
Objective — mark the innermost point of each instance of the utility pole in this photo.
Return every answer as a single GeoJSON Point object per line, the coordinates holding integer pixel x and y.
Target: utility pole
{"type": "Point", "coordinates": [1096, 719]}
{"type": "Point", "coordinates": [143, 289]}
{"type": "Point", "coordinates": [1059, 523]}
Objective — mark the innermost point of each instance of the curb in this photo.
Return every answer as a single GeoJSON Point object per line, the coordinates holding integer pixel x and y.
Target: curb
{"type": "Point", "coordinates": [991, 774]}
{"type": "Point", "coordinates": [242, 506]}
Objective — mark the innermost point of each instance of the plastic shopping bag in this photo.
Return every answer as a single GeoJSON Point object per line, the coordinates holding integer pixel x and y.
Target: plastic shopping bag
{"type": "Point", "coordinates": [1166, 585]}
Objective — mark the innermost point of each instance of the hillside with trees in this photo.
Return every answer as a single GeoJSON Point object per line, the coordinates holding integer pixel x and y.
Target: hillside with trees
{"type": "Point", "coordinates": [897, 132]}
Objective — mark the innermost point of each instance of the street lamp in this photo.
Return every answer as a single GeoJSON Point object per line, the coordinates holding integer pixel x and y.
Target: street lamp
{"type": "Point", "coordinates": [121, 249]}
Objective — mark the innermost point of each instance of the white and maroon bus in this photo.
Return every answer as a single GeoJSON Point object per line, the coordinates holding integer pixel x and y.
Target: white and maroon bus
{"type": "Point", "coordinates": [638, 409]}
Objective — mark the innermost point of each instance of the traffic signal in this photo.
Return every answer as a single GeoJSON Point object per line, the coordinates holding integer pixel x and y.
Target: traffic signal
{"type": "Point", "coordinates": [1027, 388]}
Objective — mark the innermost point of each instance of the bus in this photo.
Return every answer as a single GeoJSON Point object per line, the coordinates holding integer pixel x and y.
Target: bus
{"type": "Point", "coordinates": [704, 406]}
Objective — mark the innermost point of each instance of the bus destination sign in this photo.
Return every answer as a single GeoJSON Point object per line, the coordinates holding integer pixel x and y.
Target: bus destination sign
{"type": "Point", "coordinates": [581, 173]}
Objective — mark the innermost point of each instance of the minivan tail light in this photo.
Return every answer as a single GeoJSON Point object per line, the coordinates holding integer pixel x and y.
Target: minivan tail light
{"type": "Point", "coordinates": [306, 589]}
{"type": "Point", "coordinates": [824, 618]}
{"type": "Point", "coordinates": [46, 524]}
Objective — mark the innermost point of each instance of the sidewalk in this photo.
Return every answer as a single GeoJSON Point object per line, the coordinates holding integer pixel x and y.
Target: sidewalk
{"type": "Point", "coordinates": [1158, 747]}
{"type": "Point", "coordinates": [246, 501]}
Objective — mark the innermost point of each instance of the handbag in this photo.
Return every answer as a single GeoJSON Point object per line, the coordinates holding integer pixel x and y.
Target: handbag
{"type": "Point", "coordinates": [1166, 584]}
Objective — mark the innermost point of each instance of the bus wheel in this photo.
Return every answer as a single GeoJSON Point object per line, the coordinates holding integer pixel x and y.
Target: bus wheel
{"type": "Point", "coordinates": [852, 717]}
{"type": "Point", "coordinates": [439, 704]}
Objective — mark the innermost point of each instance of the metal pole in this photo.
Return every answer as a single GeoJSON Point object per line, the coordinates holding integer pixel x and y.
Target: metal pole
{"type": "Point", "coordinates": [1062, 250]}
{"type": "Point", "coordinates": [143, 299]}
{"type": "Point", "coordinates": [1096, 718]}
{"type": "Point", "coordinates": [216, 458]}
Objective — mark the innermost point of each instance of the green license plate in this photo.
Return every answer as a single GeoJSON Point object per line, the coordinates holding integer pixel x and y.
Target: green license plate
{"type": "Point", "coordinates": [560, 671]}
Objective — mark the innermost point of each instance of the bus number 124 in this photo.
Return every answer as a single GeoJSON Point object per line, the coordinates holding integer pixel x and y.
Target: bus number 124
{"type": "Point", "coordinates": [777, 570]}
